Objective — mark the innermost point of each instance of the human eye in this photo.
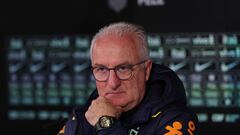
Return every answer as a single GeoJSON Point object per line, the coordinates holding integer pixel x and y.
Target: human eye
{"type": "Point", "coordinates": [100, 69]}
{"type": "Point", "coordinates": [124, 68]}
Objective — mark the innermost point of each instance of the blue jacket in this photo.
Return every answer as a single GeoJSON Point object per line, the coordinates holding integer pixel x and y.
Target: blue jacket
{"type": "Point", "coordinates": [163, 111]}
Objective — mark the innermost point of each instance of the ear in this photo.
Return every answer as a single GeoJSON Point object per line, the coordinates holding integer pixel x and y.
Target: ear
{"type": "Point", "coordinates": [148, 67]}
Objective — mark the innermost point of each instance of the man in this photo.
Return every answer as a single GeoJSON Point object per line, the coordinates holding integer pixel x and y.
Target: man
{"type": "Point", "coordinates": [134, 96]}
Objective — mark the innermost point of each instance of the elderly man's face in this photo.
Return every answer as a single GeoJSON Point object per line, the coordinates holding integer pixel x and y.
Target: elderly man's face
{"type": "Point", "coordinates": [111, 52]}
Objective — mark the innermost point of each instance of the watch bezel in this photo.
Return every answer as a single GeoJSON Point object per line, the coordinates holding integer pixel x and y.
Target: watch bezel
{"type": "Point", "coordinates": [105, 121]}
{"type": "Point", "coordinates": [102, 120]}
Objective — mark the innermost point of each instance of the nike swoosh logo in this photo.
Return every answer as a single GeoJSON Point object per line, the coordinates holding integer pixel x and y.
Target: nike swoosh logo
{"type": "Point", "coordinates": [176, 67]}
{"type": "Point", "coordinates": [81, 67]}
{"type": "Point", "coordinates": [200, 67]}
{"type": "Point", "coordinates": [15, 67]}
{"type": "Point", "coordinates": [227, 67]}
{"type": "Point", "coordinates": [57, 67]}
{"type": "Point", "coordinates": [35, 67]}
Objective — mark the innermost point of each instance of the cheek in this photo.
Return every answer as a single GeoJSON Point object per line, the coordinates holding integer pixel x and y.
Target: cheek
{"type": "Point", "coordinates": [138, 93]}
{"type": "Point", "coordinates": [140, 85]}
{"type": "Point", "coordinates": [100, 88]}
{"type": "Point", "coordinates": [136, 89]}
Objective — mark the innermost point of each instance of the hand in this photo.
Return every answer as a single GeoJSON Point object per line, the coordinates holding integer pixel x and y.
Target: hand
{"type": "Point", "coordinates": [100, 107]}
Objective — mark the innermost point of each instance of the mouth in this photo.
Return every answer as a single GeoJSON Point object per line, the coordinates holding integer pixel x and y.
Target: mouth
{"type": "Point", "coordinates": [114, 94]}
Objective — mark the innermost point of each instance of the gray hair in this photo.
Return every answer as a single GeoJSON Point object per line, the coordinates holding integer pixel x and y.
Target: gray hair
{"type": "Point", "coordinates": [120, 29]}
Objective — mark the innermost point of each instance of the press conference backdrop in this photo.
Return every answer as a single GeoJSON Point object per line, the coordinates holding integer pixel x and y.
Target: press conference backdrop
{"type": "Point", "coordinates": [47, 75]}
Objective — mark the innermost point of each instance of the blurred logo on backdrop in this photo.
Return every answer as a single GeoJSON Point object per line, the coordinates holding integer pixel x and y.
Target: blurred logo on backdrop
{"type": "Point", "coordinates": [117, 5]}
{"type": "Point", "coordinates": [150, 3]}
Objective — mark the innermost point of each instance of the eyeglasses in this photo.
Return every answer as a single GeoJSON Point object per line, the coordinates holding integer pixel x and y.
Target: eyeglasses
{"type": "Point", "coordinates": [123, 72]}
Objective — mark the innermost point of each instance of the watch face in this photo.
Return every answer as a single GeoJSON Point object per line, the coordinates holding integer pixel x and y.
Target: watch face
{"type": "Point", "coordinates": [105, 122]}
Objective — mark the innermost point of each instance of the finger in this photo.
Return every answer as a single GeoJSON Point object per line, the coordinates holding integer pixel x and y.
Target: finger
{"type": "Point", "coordinates": [103, 99]}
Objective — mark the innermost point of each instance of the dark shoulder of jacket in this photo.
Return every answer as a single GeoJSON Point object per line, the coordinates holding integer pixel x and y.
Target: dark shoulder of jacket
{"type": "Point", "coordinates": [173, 97]}
{"type": "Point", "coordinates": [77, 119]}
{"type": "Point", "coordinates": [177, 112]}
{"type": "Point", "coordinates": [72, 123]}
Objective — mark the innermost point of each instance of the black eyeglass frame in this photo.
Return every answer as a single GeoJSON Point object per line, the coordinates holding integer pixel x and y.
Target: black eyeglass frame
{"type": "Point", "coordinates": [130, 66]}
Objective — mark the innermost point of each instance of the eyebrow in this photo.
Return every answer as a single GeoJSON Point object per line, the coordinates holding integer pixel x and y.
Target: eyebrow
{"type": "Point", "coordinates": [101, 65]}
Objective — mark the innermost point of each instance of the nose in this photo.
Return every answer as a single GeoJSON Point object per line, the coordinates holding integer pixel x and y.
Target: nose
{"type": "Point", "coordinates": [113, 81]}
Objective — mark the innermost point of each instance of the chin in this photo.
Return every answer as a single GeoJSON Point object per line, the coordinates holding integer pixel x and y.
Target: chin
{"type": "Point", "coordinates": [116, 98]}
{"type": "Point", "coordinates": [118, 102]}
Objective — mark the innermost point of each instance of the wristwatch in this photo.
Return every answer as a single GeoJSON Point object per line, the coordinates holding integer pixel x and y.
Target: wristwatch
{"type": "Point", "coordinates": [104, 122]}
